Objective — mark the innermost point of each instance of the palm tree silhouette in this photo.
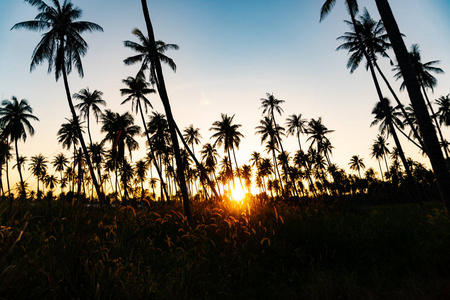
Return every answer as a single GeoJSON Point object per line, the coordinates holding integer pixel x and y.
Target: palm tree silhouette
{"type": "Point", "coordinates": [192, 136]}
{"type": "Point", "coordinates": [144, 57]}
{"type": "Point", "coordinates": [15, 119]}
{"type": "Point", "coordinates": [379, 151]}
{"type": "Point", "coordinates": [428, 133]}
{"type": "Point", "coordinates": [296, 126]}
{"type": "Point", "coordinates": [5, 156]}
{"type": "Point", "coordinates": [227, 134]}
{"type": "Point", "coordinates": [90, 101]}
{"type": "Point", "coordinates": [62, 46]}
{"type": "Point", "coordinates": [120, 131]}
{"type": "Point", "coordinates": [38, 168]}
{"type": "Point", "coordinates": [356, 164]}
{"type": "Point", "coordinates": [68, 136]}
{"type": "Point", "coordinates": [443, 112]}
{"type": "Point", "coordinates": [159, 79]}
{"type": "Point", "coordinates": [426, 80]}
{"type": "Point", "coordinates": [372, 35]}
{"type": "Point", "coordinates": [137, 89]}
{"type": "Point", "coordinates": [60, 163]}
{"type": "Point", "coordinates": [268, 134]}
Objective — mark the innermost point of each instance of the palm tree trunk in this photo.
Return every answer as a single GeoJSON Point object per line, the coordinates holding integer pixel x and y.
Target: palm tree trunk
{"type": "Point", "coordinates": [7, 178]}
{"type": "Point", "coordinates": [400, 105]}
{"type": "Point", "coordinates": [19, 167]}
{"type": "Point", "coordinates": [430, 139]}
{"type": "Point", "coordinates": [89, 129]}
{"type": "Point", "coordinates": [197, 163]}
{"type": "Point", "coordinates": [165, 100]}
{"type": "Point", "coordinates": [381, 171]}
{"type": "Point", "coordinates": [100, 195]}
{"type": "Point", "coordinates": [152, 155]}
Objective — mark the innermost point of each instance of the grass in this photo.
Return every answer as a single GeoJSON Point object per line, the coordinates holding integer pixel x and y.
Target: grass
{"type": "Point", "coordinates": [275, 251]}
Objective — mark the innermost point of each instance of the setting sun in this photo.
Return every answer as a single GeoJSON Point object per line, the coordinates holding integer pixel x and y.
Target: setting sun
{"type": "Point", "coordinates": [237, 194]}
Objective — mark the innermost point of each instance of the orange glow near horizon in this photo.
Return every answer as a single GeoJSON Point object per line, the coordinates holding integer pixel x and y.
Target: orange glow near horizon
{"type": "Point", "coordinates": [238, 194]}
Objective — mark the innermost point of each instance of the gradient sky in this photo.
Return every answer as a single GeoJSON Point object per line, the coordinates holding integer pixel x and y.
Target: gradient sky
{"type": "Point", "coordinates": [231, 54]}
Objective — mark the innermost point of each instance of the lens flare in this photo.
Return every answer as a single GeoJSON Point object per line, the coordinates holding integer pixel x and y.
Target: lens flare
{"type": "Point", "coordinates": [238, 194]}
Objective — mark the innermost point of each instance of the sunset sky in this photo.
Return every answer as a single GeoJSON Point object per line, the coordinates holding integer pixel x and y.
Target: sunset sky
{"type": "Point", "coordinates": [231, 53]}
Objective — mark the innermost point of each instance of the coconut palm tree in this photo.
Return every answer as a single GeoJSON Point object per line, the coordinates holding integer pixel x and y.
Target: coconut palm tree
{"type": "Point", "coordinates": [428, 133]}
{"type": "Point", "coordinates": [426, 80]}
{"type": "Point", "coordinates": [60, 162]}
{"type": "Point", "coordinates": [15, 119]}
{"type": "Point", "coordinates": [379, 150]}
{"type": "Point", "coordinates": [192, 136]}
{"type": "Point", "coordinates": [120, 131]}
{"type": "Point", "coordinates": [374, 40]}
{"type": "Point", "coordinates": [141, 168]}
{"type": "Point", "coordinates": [97, 152]}
{"type": "Point", "coordinates": [228, 135]}
{"type": "Point", "coordinates": [443, 112]}
{"type": "Point", "coordinates": [137, 89]}
{"type": "Point", "coordinates": [90, 101]}
{"type": "Point", "coordinates": [296, 126]}
{"type": "Point", "coordinates": [144, 57]}
{"type": "Point", "coordinates": [5, 156]}
{"type": "Point", "coordinates": [62, 46]}
{"type": "Point", "coordinates": [38, 168]}
{"type": "Point", "coordinates": [356, 164]}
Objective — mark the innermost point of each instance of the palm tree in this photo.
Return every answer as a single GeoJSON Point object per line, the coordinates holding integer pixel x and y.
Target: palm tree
{"type": "Point", "coordinates": [60, 162]}
{"type": "Point", "coordinates": [374, 40]}
{"type": "Point", "coordinates": [62, 46]}
{"type": "Point", "coordinates": [295, 126]}
{"type": "Point", "coordinates": [426, 80]}
{"type": "Point", "coordinates": [120, 131]}
{"type": "Point", "coordinates": [15, 119]}
{"type": "Point", "coordinates": [141, 168]}
{"type": "Point", "coordinates": [428, 133]}
{"type": "Point", "coordinates": [5, 156]}
{"type": "Point", "coordinates": [154, 58]}
{"type": "Point", "coordinates": [379, 151]}
{"type": "Point", "coordinates": [192, 136]}
{"type": "Point", "coordinates": [144, 56]}
{"type": "Point", "coordinates": [227, 134]}
{"type": "Point", "coordinates": [89, 102]}
{"type": "Point", "coordinates": [68, 136]}
{"type": "Point", "coordinates": [97, 152]}
{"type": "Point", "coordinates": [443, 112]}
{"type": "Point", "coordinates": [356, 164]}
{"type": "Point", "coordinates": [38, 168]}
{"type": "Point", "coordinates": [269, 133]}
{"type": "Point", "coordinates": [137, 89]}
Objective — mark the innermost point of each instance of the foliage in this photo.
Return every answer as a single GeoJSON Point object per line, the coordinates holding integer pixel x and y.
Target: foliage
{"type": "Point", "coordinates": [239, 251]}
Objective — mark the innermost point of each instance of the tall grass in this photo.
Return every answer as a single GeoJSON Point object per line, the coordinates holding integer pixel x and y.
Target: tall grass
{"type": "Point", "coordinates": [238, 251]}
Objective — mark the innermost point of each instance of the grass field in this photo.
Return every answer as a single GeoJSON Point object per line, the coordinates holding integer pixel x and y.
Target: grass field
{"type": "Point", "coordinates": [235, 251]}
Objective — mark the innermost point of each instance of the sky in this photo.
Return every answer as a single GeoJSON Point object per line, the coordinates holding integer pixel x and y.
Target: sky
{"type": "Point", "coordinates": [231, 54]}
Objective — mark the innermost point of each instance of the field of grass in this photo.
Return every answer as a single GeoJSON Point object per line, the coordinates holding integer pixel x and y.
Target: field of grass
{"type": "Point", "coordinates": [235, 251]}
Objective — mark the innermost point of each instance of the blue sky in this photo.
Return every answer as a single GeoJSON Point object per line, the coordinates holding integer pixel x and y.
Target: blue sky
{"type": "Point", "coordinates": [231, 54]}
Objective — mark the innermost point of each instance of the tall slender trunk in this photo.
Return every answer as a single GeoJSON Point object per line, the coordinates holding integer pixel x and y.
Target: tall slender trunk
{"type": "Point", "coordinates": [89, 130]}
{"type": "Point", "coordinates": [19, 167]}
{"type": "Point", "coordinates": [400, 105]}
{"type": "Point", "coordinates": [152, 155]}
{"type": "Point", "coordinates": [165, 100]}
{"type": "Point", "coordinates": [381, 171]}
{"type": "Point", "coordinates": [7, 178]}
{"type": "Point", "coordinates": [383, 101]}
{"type": "Point", "coordinates": [100, 195]}
{"type": "Point", "coordinates": [430, 139]}
{"type": "Point", "coordinates": [197, 163]}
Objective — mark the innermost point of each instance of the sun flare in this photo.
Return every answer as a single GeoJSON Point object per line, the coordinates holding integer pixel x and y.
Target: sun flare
{"type": "Point", "coordinates": [237, 193]}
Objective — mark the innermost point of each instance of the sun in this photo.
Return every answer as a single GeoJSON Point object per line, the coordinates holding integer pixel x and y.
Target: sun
{"type": "Point", "coordinates": [237, 193]}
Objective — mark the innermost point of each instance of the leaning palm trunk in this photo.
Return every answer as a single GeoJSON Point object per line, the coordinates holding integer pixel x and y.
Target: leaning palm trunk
{"type": "Point", "coordinates": [100, 195]}
{"type": "Point", "coordinates": [165, 100]}
{"type": "Point", "coordinates": [400, 105]}
{"type": "Point", "coordinates": [433, 115]}
{"type": "Point", "coordinates": [430, 139]}
{"type": "Point", "coordinates": [197, 163]}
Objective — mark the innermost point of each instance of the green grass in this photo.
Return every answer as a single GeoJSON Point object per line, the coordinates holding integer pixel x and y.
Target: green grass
{"type": "Point", "coordinates": [235, 251]}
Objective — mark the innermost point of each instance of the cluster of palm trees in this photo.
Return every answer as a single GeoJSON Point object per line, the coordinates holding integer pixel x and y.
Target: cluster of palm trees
{"type": "Point", "coordinates": [179, 173]}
